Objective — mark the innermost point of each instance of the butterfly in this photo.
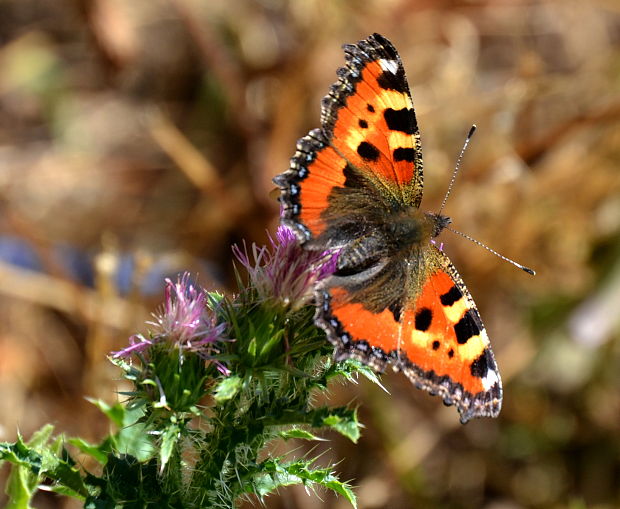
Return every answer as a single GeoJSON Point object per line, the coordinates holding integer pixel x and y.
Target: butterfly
{"type": "Point", "coordinates": [355, 185]}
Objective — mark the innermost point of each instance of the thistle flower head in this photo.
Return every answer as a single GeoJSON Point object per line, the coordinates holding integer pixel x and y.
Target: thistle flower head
{"type": "Point", "coordinates": [184, 322]}
{"type": "Point", "coordinates": [284, 271]}
{"type": "Point", "coordinates": [183, 318]}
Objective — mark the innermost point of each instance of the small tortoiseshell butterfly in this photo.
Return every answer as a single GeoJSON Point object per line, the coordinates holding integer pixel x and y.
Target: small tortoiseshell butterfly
{"type": "Point", "coordinates": [355, 185]}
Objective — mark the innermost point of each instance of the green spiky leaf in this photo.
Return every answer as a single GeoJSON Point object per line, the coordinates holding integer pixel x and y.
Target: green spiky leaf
{"type": "Point", "coordinates": [276, 475]}
{"type": "Point", "coordinates": [169, 439]}
{"type": "Point", "coordinates": [228, 388]}
{"type": "Point", "coordinates": [299, 433]}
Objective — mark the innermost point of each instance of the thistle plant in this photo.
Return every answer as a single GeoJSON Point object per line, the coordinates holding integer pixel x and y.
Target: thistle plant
{"type": "Point", "coordinates": [214, 380]}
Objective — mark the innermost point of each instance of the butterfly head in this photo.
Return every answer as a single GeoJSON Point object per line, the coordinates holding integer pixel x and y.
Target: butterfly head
{"type": "Point", "coordinates": [439, 222]}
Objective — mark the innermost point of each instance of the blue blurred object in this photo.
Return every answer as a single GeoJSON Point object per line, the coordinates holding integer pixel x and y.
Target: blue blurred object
{"type": "Point", "coordinates": [79, 265]}
{"type": "Point", "coordinates": [125, 273]}
{"type": "Point", "coordinates": [18, 252]}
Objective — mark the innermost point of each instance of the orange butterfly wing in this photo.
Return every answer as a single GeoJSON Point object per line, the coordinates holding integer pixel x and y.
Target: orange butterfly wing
{"type": "Point", "coordinates": [436, 338]}
{"type": "Point", "coordinates": [356, 185]}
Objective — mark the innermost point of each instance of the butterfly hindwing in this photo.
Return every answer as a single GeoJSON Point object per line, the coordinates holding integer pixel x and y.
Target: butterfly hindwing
{"type": "Point", "coordinates": [445, 348]}
{"type": "Point", "coordinates": [434, 335]}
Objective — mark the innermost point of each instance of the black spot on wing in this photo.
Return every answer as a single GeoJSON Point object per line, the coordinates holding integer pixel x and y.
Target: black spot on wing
{"type": "Point", "coordinates": [370, 108]}
{"type": "Point", "coordinates": [391, 81]}
{"type": "Point", "coordinates": [396, 309]}
{"type": "Point", "coordinates": [423, 319]}
{"type": "Point", "coordinates": [362, 123]}
{"type": "Point", "coordinates": [404, 154]}
{"type": "Point", "coordinates": [401, 120]}
{"type": "Point", "coordinates": [451, 353]}
{"type": "Point", "coordinates": [368, 151]}
{"type": "Point", "coordinates": [352, 178]}
{"type": "Point", "coordinates": [451, 296]}
{"type": "Point", "coordinates": [436, 345]}
{"type": "Point", "coordinates": [467, 327]}
{"type": "Point", "coordinates": [481, 365]}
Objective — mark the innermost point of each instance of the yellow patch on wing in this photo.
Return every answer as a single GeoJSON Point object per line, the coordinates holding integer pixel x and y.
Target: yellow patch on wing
{"type": "Point", "coordinates": [474, 346]}
{"type": "Point", "coordinates": [455, 312]}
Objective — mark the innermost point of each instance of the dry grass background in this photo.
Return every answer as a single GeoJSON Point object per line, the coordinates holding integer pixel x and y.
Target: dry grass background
{"type": "Point", "coordinates": [139, 139]}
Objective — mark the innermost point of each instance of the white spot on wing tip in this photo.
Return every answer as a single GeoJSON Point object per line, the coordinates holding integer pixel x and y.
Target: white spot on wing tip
{"type": "Point", "coordinates": [389, 65]}
{"type": "Point", "coordinates": [490, 379]}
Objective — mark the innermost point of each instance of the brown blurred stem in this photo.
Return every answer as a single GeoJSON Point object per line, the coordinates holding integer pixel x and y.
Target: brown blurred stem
{"type": "Point", "coordinates": [531, 151]}
{"type": "Point", "coordinates": [220, 64]}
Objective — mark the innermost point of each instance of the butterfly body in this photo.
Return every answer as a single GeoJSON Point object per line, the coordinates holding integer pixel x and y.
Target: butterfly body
{"type": "Point", "coordinates": [355, 186]}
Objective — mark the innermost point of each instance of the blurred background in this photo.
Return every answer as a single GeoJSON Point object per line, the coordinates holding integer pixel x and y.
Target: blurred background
{"type": "Point", "coordinates": [138, 139]}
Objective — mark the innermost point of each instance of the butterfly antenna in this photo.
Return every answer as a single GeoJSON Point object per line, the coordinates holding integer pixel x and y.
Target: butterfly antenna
{"type": "Point", "coordinates": [472, 130]}
{"type": "Point", "coordinates": [522, 267]}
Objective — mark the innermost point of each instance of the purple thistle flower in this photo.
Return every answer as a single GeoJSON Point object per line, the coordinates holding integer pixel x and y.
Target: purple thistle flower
{"type": "Point", "coordinates": [184, 321]}
{"type": "Point", "coordinates": [286, 272]}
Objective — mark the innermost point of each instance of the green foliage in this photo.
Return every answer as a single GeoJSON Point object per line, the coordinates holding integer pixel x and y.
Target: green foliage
{"type": "Point", "coordinates": [227, 388]}
{"type": "Point", "coordinates": [273, 474]}
{"type": "Point", "coordinates": [191, 432]}
{"type": "Point", "coordinates": [41, 458]}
